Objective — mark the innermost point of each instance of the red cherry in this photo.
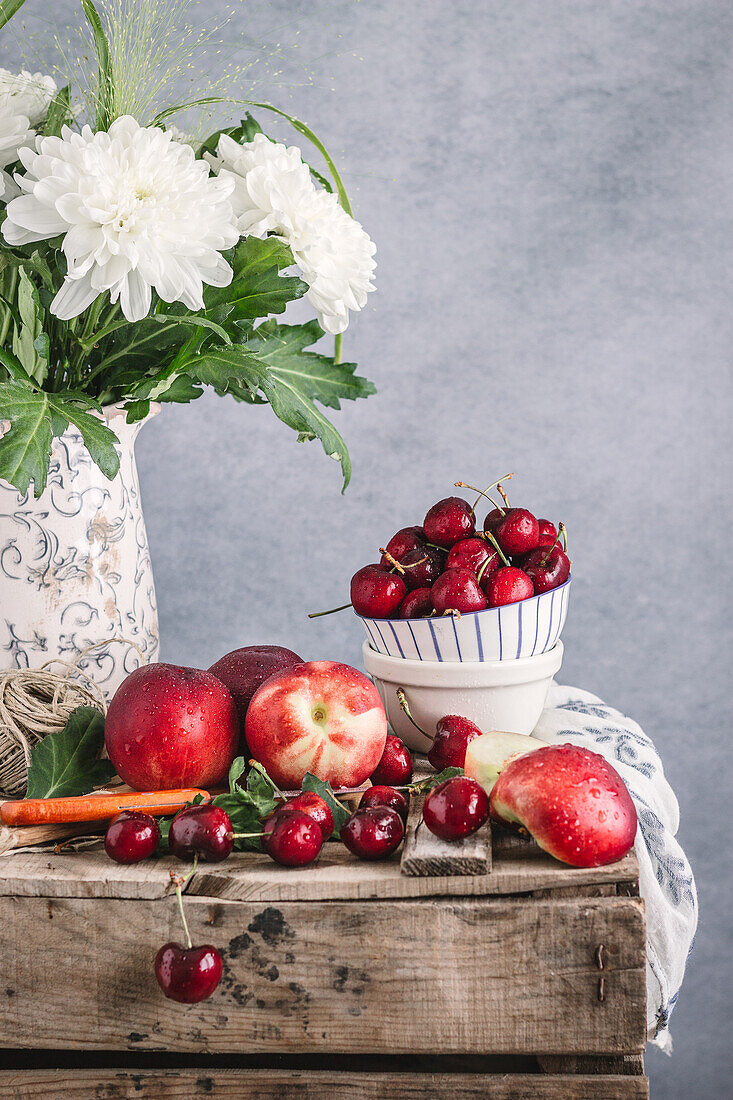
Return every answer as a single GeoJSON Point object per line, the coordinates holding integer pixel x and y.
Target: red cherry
{"type": "Point", "coordinates": [452, 737]}
{"type": "Point", "coordinates": [316, 807]}
{"type": "Point", "coordinates": [509, 585]}
{"type": "Point", "coordinates": [448, 521]}
{"type": "Point", "coordinates": [376, 594]}
{"type": "Point", "coordinates": [518, 532]}
{"type": "Point", "coordinates": [205, 831]}
{"type": "Point", "coordinates": [417, 604]}
{"type": "Point", "coordinates": [547, 568]}
{"type": "Point", "coordinates": [131, 836]}
{"type": "Point", "coordinates": [468, 554]}
{"type": "Point", "coordinates": [422, 567]}
{"type": "Point", "coordinates": [385, 796]}
{"type": "Point", "coordinates": [457, 590]}
{"type": "Point", "coordinates": [189, 974]}
{"type": "Point", "coordinates": [406, 539]}
{"type": "Point", "coordinates": [493, 519]}
{"type": "Point", "coordinates": [373, 833]}
{"type": "Point", "coordinates": [395, 765]}
{"type": "Point", "coordinates": [548, 532]}
{"type": "Point", "coordinates": [456, 808]}
{"type": "Point", "coordinates": [292, 838]}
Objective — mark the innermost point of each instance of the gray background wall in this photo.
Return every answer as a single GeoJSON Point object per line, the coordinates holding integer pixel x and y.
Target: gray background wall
{"type": "Point", "coordinates": [549, 187]}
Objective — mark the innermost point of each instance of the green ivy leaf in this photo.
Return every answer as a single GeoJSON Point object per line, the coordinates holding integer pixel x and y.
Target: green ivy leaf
{"type": "Point", "coordinates": [66, 763]}
{"type": "Point", "coordinates": [340, 814]}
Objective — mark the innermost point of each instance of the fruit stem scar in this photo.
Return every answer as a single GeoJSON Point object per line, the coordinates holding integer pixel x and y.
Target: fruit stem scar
{"type": "Point", "coordinates": [319, 713]}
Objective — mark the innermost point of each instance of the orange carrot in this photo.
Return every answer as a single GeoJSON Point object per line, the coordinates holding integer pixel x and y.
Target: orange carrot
{"type": "Point", "coordinates": [94, 807]}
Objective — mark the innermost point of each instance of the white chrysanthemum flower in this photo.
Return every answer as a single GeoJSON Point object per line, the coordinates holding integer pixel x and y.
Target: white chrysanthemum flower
{"type": "Point", "coordinates": [275, 195]}
{"type": "Point", "coordinates": [136, 210]}
{"type": "Point", "coordinates": [24, 100]}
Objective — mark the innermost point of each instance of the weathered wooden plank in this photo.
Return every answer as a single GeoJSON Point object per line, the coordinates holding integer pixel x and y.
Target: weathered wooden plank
{"type": "Point", "coordinates": [423, 853]}
{"type": "Point", "coordinates": [263, 1084]}
{"type": "Point", "coordinates": [518, 868]}
{"type": "Point", "coordinates": [475, 975]}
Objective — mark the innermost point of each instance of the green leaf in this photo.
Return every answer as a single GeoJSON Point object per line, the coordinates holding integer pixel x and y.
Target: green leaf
{"type": "Point", "coordinates": [296, 409]}
{"type": "Point", "coordinates": [432, 781]}
{"type": "Point", "coordinates": [340, 814]}
{"type": "Point", "coordinates": [35, 418]}
{"type": "Point", "coordinates": [8, 8]}
{"type": "Point", "coordinates": [105, 91]}
{"type": "Point", "coordinates": [257, 288]}
{"type": "Point", "coordinates": [238, 768]}
{"type": "Point", "coordinates": [99, 440]}
{"type": "Point", "coordinates": [25, 450]}
{"type": "Point", "coordinates": [26, 335]}
{"type": "Point", "coordinates": [316, 375]}
{"type": "Point", "coordinates": [66, 763]}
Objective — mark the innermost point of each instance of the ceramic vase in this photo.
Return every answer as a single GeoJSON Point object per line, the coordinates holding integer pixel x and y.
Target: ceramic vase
{"type": "Point", "coordinates": [75, 565]}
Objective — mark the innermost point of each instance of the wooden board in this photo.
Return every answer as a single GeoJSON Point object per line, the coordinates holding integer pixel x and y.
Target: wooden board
{"type": "Point", "coordinates": [462, 975]}
{"type": "Point", "coordinates": [519, 867]}
{"type": "Point", "coordinates": [263, 1084]}
{"type": "Point", "coordinates": [423, 853]}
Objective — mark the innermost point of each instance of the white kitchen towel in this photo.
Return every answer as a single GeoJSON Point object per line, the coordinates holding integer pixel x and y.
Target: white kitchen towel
{"type": "Point", "coordinates": [665, 878]}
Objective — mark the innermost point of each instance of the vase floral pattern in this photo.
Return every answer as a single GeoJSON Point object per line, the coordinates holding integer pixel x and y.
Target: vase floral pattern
{"type": "Point", "coordinates": [75, 565]}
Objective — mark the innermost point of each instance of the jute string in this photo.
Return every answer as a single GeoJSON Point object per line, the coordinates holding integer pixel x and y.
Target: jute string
{"type": "Point", "coordinates": [37, 701]}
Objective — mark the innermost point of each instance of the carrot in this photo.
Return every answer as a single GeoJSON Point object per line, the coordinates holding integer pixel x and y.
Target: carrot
{"type": "Point", "coordinates": [94, 807]}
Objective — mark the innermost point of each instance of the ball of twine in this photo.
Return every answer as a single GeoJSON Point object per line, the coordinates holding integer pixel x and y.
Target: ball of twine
{"type": "Point", "coordinates": [37, 701]}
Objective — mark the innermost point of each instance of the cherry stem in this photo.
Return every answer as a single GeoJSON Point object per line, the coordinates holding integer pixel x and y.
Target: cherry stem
{"type": "Point", "coordinates": [483, 492]}
{"type": "Point", "coordinates": [243, 836]}
{"type": "Point", "coordinates": [504, 497]}
{"type": "Point", "coordinates": [562, 530]}
{"type": "Point", "coordinates": [557, 539]}
{"type": "Point", "coordinates": [402, 700]}
{"type": "Point", "coordinates": [332, 611]}
{"type": "Point", "coordinates": [498, 549]}
{"type": "Point", "coordinates": [482, 569]}
{"type": "Point", "coordinates": [393, 561]}
{"type": "Point", "coordinates": [180, 881]}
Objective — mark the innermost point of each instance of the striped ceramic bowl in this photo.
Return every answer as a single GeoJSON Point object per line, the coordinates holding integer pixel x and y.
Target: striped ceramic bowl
{"type": "Point", "coordinates": [497, 634]}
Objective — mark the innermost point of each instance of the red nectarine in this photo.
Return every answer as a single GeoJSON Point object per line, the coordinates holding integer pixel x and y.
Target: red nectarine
{"type": "Point", "coordinates": [322, 717]}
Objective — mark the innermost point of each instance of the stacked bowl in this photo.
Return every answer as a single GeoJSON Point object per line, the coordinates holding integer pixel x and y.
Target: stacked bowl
{"type": "Point", "coordinates": [493, 666]}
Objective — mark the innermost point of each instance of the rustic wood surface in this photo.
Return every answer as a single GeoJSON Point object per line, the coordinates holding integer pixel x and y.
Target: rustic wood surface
{"type": "Point", "coordinates": [462, 975]}
{"type": "Point", "coordinates": [519, 867]}
{"type": "Point", "coordinates": [308, 1085]}
{"type": "Point", "coordinates": [423, 853]}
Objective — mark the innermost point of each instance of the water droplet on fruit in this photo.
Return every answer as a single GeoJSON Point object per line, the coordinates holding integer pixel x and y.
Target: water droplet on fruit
{"type": "Point", "coordinates": [602, 815]}
{"type": "Point", "coordinates": [595, 792]}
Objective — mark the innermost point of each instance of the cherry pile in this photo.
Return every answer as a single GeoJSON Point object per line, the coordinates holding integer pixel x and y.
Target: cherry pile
{"type": "Point", "coordinates": [294, 833]}
{"type": "Point", "coordinates": [452, 564]}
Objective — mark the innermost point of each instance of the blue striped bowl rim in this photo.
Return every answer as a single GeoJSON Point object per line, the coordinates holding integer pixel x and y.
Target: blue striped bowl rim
{"type": "Point", "coordinates": [515, 630]}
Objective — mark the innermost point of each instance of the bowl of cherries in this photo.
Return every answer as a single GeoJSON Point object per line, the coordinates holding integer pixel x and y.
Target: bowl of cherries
{"type": "Point", "coordinates": [458, 589]}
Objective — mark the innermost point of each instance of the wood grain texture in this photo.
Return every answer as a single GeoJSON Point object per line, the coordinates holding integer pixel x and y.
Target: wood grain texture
{"type": "Point", "coordinates": [469, 975]}
{"type": "Point", "coordinates": [423, 853]}
{"type": "Point", "coordinates": [262, 1084]}
{"type": "Point", "coordinates": [519, 867]}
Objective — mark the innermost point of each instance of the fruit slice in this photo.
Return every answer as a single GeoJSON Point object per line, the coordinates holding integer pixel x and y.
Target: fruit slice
{"type": "Point", "coordinates": [488, 754]}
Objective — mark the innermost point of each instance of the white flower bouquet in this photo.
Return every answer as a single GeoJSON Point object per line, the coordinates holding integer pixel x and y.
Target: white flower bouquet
{"type": "Point", "coordinates": [135, 267]}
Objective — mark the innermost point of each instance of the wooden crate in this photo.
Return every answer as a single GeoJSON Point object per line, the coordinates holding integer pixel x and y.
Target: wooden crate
{"type": "Point", "coordinates": [528, 981]}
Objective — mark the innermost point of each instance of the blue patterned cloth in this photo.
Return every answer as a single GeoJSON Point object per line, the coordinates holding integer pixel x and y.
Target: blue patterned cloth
{"type": "Point", "coordinates": [665, 878]}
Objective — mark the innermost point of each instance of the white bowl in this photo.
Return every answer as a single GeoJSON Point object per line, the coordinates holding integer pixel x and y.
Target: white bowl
{"type": "Point", "coordinates": [508, 633]}
{"type": "Point", "coordinates": [496, 695]}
